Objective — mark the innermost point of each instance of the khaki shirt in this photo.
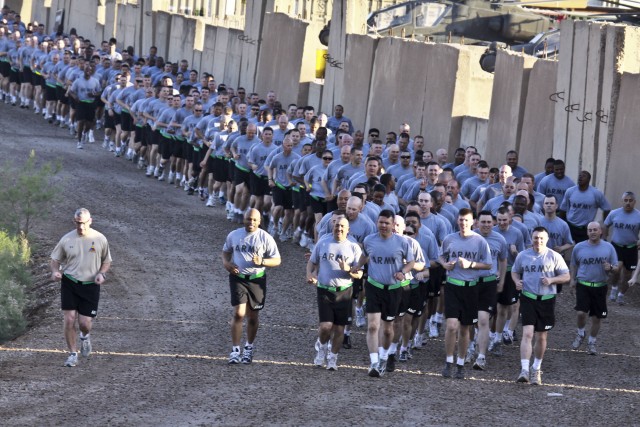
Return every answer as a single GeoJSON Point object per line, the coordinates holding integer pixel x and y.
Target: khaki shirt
{"type": "Point", "coordinates": [82, 256]}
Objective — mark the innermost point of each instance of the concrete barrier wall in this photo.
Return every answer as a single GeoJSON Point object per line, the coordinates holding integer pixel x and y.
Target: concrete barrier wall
{"type": "Point", "coordinates": [624, 174]}
{"type": "Point", "coordinates": [508, 101]}
{"type": "Point", "coordinates": [359, 61]}
{"type": "Point", "coordinates": [474, 133]}
{"type": "Point", "coordinates": [280, 57]}
{"type": "Point", "coordinates": [161, 33]}
{"type": "Point", "coordinates": [181, 39]}
{"type": "Point", "coordinates": [536, 140]}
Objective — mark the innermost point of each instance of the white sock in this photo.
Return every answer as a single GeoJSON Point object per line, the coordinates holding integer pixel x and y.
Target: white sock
{"type": "Point", "coordinates": [525, 364]}
{"type": "Point", "coordinates": [581, 332]}
{"type": "Point", "coordinates": [374, 357]}
{"type": "Point", "coordinates": [460, 361]}
{"type": "Point", "coordinates": [506, 326]}
{"type": "Point", "coordinates": [449, 359]}
{"type": "Point", "coordinates": [393, 348]}
{"type": "Point", "coordinates": [536, 364]}
{"type": "Point", "coordinates": [592, 340]}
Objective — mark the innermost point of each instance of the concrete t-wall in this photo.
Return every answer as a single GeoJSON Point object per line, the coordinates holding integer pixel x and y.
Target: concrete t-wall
{"type": "Point", "coordinates": [508, 100]}
{"type": "Point", "coordinates": [536, 140]}
{"type": "Point", "coordinates": [359, 61]}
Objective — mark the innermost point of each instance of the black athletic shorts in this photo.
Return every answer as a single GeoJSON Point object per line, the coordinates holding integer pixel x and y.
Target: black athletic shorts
{"type": "Point", "coordinates": [50, 93]}
{"type": "Point", "coordinates": [146, 134]}
{"type": "Point", "coordinates": [61, 95]}
{"type": "Point", "coordinates": [383, 301]}
{"type": "Point", "coordinates": [282, 197]}
{"type": "Point", "coordinates": [242, 177]}
{"type": "Point", "coordinates": [318, 205]}
{"type": "Point", "coordinates": [487, 296]}
{"type": "Point", "coordinates": [578, 233]}
{"type": "Point", "coordinates": [155, 137]}
{"type": "Point", "coordinates": [117, 119]}
{"type": "Point", "coordinates": [405, 300]}
{"type": "Point", "coordinates": [86, 111]}
{"type": "Point", "coordinates": [27, 75]}
{"type": "Point", "coordinates": [437, 275]}
{"type": "Point", "coordinates": [509, 294]}
{"type": "Point", "coordinates": [36, 79]}
{"type": "Point", "coordinates": [335, 307]}
{"type": "Point", "coordinates": [166, 146]}
{"type": "Point", "coordinates": [259, 185]}
{"type": "Point", "coordinates": [220, 170]}
{"type": "Point", "coordinates": [461, 302]}
{"type": "Point", "coordinates": [231, 171]}
{"type": "Point", "coordinates": [197, 156]}
{"type": "Point", "coordinates": [81, 298]}
{"type": "Point", "coordinates": [126, 121]}
{"type": "Point", "coordinates": [138, 134]}
{"type": "Point", "coordinates": [592, 300]}
{"type": "Point", "coordinates": [418, 299]}
{"type": "Point", "coordinates": [628, 256]}
{"type": "Point", "coordinates": [5, 68]}
{"type": "Point", "coordinates": [540, 314]}
{"type": "Point", "coordinates": [251, 292]}
{"type": "Point", "coordinates": [299, 198]}
{"type": "Point", "coordinates": [332, 204]}
{"type": "Point", "coordinates": [109, 121]}
{"type": "Point", "coordinates": [177, 148]}
{"type": "Point", "coordinates": [14, 76]}
{"type": "Point", "coordinates": [358, 284]}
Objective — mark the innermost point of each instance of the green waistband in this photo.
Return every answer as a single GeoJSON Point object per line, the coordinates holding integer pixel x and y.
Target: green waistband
{"type": "Point", "coordinates": [626, 246]}
{"type": "Point", "coordinates": [458, 282]}
{"type": "Point", "coordinates": [316, 198]}
{"type": "Point", "coordinates": [87, 101]}
{"type": "Point", "coordinates": [79, 282]}
{"type": "Point", "coordinates": [251, 277]}
{"type": "Point", "coordinates": [485, 279]}
{"type": "Point", "coordinates": [592, 284]}
{"type": "Point", "coordinates": [389, 287]}
{"type": "Point", "coordinates": [242, 168]}
{"type": "Point", "coordinates": [538, 297]}
{"type": "Point", "coordinates": [282, 187]}
{"type": "Point", "coordinates": [334, 288]}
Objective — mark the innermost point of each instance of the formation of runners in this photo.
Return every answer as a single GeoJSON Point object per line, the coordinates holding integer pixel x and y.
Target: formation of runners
{"type": "Point", "coordinates": [401, 238]}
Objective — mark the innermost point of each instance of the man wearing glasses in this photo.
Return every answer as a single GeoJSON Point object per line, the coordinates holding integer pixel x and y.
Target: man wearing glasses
{"type": "Point", "coordinates": [85, 257]}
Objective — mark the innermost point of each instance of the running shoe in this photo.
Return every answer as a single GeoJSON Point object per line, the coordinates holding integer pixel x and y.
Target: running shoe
{"type": "Point", "coordinates": [433, 330]}
{"type": "Point", "coordinates": [524, 376]}
{"type": "Point", "coordinates": [577, 342]}
{"type": "Point", "coordinates": [304, 240]}
{"type": "Point", "coordinates": [321, 354]}
{"type": "Point", "coordinates": [234, 358]}
{"type": "Point", "coordinates": [85, 346]}
{"type": "Point", "coordinates": [480, 364]}
{"type": "Point", "coordinates": [346, 343]}
{"type": "Point", "coordinates": [591, 349]}
{"type": "Point", "coordinates": [417, 341]}
{"type": "Point", "coordinates": [446, 372]}
{"type": "Point", "coordinates": [620, 300]}
{"type": "Point", "coordinates": [390, 363]}
{"type": "Point", "coordinates": [497, 348]}
{"type": "Point", "coordinates": [91, 137]}
{"type": "Point", "coordinates": [79, 146]}
{"type": "Point", "coordinates": [72, 360]}
{"type": "Point", "coordinates": [507, 339]}
{"type": "Point", "coordinates": [373, 371]}
{"type": "Point", "coordinates": [332, 363]}
{"type": "Point", "coordinates": [382, 367]}
{"type": "Point", "coordinates": [247, 355]}
{"type": "Point", "coordinates": [360, 319]}
{"type": "Point", "coordinates": [459, 372]}
{"type": "Point", "coordinates": [536, 377]}
{"type": "Point", "coordinates": [210, 202]}
{"type": "Point", "coordinates": [404, 356]}
{"type": "Point", "coordinates": [471, 353]}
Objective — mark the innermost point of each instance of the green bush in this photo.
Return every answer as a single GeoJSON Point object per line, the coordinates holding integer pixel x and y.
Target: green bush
{"type": "Point", "coordinates": [26, 194]}
{"type": "Point", "coordinates": [14, 277]}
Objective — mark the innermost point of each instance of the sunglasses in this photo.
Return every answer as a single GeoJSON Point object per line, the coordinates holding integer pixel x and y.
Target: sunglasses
{"type": "Point", "coordinates": [198, 111]}
{"type": "Point", "coordinates": [373, 135]}
{"type": "Point", "coordinates": [409, 233]}
{"type": "Point", "coordinates": [327, 158]}
{"type": "Point", "coordinates": [405, 157]}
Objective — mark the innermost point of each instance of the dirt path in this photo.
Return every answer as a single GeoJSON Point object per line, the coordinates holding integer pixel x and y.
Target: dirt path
{"type": "Point", "coordinates": [161, 338]}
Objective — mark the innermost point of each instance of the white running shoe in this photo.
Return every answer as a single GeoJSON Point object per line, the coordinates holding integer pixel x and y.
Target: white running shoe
{"type": "Point", "coordinates": [433, 329]}
{"type": "Point", "coordinates": [321, 354]}
{"type": "Point", "coordinates": [72, 360]}
{"type": "Point", "coordinates": [210, 202]}
{"type": "Point", "coordinates": [172, 177]}
{"type": "Point", "coordinates": [112, 147]}
{"type": "Point", "coordinates": [92, 139]}
{"type": "Point", "coordinates": [234, 358]}
{"type": "Point", "coordinates": [149, 170]}
{"type": "Point", "coordinates": [332, 362]}
{"type": "Point", "coordinates": [360, 318]}
{"type": "Point", "coordinates": [85, 346]}
{"type": "Point", "coordinates": [79, 146]}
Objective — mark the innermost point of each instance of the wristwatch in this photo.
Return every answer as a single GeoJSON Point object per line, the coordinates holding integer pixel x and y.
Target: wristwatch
{"type": "Point", "coordinates": [104, 276]}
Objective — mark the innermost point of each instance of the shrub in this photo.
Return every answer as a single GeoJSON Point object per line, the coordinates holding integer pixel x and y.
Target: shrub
{"type": "Point", "coordinates": [14, 277]}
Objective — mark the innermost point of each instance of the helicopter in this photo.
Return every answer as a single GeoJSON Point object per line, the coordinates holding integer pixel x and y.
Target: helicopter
{"type": "Point", "coordinates": [478, 22]}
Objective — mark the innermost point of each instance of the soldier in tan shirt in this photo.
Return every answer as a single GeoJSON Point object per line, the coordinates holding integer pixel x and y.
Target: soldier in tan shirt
{"type": "Point", "coordinates": [80, 261]}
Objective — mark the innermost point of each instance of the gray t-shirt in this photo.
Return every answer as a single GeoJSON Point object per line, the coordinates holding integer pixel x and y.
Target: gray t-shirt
{"type": "Point", "coordinates": [533, 266]}
{"type": "Point", "coordinates": [513, 237]}
{"type": "Point", "coordinates": [589, 260]}
{"type": "Point", "coordinates": [86, 89]}
{"type": "Point", "coordinates": [327, 254]}
{"type": "Point", "coordinates": [558, 230]}
{"type": "Point", "coordinates": [550, 185]}
{"type": "Point", "coordinates": [244, 246]}
{"type": "Point", "coordinates": [624, 226]}
{"type": "Point", "coordinates": [386, 256]}
{"type": "Point", "coordinates": [499, 251]}
{"type": "Point", "coordinates": [581, 206]}
{"type": "Point", "coordinates": [473, 247]}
